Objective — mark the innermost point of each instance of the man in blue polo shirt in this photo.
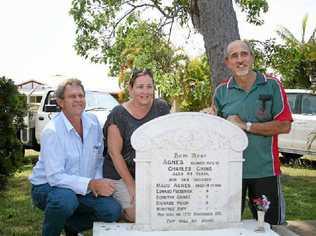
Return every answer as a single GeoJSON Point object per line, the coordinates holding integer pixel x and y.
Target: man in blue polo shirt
{"type": "Point", "coordinates": [259, 106]}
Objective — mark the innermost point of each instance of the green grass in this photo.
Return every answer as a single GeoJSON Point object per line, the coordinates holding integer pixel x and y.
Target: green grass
{"type": "Point", "coordinates": [299, 187]}
{"type": "Point", "coordinates": [19, 217]}
{"type": "Point", "coordinates": [17, 214]}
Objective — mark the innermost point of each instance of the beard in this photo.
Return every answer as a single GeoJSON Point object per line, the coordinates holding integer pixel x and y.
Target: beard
{"type": "Point", "coordinates": [242, 71]}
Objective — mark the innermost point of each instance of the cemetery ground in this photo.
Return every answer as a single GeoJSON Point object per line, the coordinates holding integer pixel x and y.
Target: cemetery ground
{"type": "Point", "coordinates": [19, 217]}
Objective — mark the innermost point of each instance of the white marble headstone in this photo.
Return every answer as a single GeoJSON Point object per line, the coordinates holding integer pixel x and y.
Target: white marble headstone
{"type": "Point", "coordinates": [188, 172]}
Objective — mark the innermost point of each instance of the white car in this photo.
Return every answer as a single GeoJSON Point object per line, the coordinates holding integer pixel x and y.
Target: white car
{"type": "Point", "coordinates": [302, 138]}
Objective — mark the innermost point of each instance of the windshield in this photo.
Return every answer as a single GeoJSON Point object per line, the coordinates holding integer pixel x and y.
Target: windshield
{"type": "Point", "coordinates": [99, 100]}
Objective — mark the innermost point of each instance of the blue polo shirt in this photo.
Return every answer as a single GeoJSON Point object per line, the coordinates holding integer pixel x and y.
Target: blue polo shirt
{"type": "Point", "coordinates": [266, 101]}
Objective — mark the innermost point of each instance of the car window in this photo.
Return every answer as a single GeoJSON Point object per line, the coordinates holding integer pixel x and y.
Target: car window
{"type": "Point", "coordinates": [309, 104]}
{"type": "Point", "coordinates": [100, 100]}
{"type": "Point", "coordinates": [292, 99]}
{"type": "Point", "coordinates": [50, 104]}
{"type": "Point", "coordinates": [51, 99]}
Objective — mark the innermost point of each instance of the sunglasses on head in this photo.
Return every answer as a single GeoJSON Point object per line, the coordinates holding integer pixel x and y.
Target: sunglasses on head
{"type": "Point", "coordinates": [137, 72]}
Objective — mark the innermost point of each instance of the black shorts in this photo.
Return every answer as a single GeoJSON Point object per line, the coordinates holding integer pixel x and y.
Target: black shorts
{"type": "Point", "coordinates": [271, 188]}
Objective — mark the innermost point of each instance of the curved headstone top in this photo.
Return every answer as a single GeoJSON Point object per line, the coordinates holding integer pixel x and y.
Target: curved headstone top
{"type": "Point", "coordinates": [191, 130]}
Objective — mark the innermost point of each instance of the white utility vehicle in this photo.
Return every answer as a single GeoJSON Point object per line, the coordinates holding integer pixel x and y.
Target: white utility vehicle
{"type": "Point", "coordinates": [302, 138]}
{"type": "Point", "coordinates": [42, 107]}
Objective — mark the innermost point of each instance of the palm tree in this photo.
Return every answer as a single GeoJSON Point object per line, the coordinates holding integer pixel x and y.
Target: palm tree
{"type": "Point", "coordinates": [302, 55]}
{"type": "Point", "coordinates": [288, 37]}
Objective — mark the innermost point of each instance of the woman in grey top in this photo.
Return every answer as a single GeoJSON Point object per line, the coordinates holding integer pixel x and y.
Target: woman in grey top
{"type": "Point", "coordinates": [121, 123]}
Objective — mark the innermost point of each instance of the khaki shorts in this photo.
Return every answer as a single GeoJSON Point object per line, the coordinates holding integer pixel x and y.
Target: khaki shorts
{"type": "Point", "coordinates": [121, 193]}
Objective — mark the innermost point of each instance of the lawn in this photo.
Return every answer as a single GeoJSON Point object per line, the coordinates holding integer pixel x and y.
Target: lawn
{"type": "Point", "coordinates": [19, 217]}
{"type": "Point", "coordinates": [17, 214]}
{"type": "Point", "coordinates": [299, 187]}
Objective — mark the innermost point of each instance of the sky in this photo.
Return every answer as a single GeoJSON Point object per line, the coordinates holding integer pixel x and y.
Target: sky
{"type": "Point", "coordinates": [37, 38]}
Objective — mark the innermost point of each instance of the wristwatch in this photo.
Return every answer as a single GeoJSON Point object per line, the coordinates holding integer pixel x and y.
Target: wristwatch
{"type": "Point", "coordinates": [248, 126]}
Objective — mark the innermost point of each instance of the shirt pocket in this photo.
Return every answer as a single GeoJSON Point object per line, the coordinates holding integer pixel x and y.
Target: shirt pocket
{"type": "Point", "coordinates": [96, 155]}
{"type": "Point", "coordinates": [263, 111]}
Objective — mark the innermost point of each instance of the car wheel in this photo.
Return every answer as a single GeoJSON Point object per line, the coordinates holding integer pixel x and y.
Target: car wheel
{"type": "Point", "coordinates": [290, 158]}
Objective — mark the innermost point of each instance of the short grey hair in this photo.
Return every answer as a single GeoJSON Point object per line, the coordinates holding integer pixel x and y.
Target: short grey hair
{"type": "Point", "coordinates": [246, 42]}
{"type": "Point", "coordinates": [60, 91]}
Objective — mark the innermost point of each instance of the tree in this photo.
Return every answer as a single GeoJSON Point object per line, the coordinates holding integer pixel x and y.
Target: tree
{"type": "Point", "coordinates": [12, 111]}
{"type": "Point", "coordinates": [98, 20]}
{"type": "Point", "coordinates": [288, 61]}
{"type": "Point", "coordinates": [178, 79]}
{"type": "Point", "coordinates": [195, 88]}
{"type": "Point", "coordinates": [140, 45]}
{"type": "Point", "coordinates": [289, 38]}
{"type": "Point", "coordinates": [294, 59]}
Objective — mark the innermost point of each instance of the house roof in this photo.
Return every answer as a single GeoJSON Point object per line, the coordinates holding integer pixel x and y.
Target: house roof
{"type": "Point", "coordinates": [28, 82]}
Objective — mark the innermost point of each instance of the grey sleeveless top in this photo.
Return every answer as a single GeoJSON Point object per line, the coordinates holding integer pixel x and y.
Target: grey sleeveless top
{"type": "Point", "coordinates": [127, 124]}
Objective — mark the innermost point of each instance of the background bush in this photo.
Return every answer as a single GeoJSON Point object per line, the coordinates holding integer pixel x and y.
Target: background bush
{"type": "Point", "coordinates": [13, 108]}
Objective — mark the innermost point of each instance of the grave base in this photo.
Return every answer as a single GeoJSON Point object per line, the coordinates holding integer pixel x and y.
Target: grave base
{"type": "Point", "coordinates": [245, 228]}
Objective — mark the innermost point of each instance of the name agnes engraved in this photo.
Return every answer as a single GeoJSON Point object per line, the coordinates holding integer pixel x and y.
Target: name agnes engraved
{"type": "Point", "coordinates": [190, 179]}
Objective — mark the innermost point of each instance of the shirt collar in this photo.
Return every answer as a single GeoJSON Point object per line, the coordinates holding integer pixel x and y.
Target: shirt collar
{"type": "Point", "coordinates": [260, 79]}
{"type": "Point", "coordinates": [67, 123]}
{"type": "Point", "coordinates": [87, 121]}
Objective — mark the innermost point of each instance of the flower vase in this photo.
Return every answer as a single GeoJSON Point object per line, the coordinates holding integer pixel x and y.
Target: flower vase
{"type": "Point", "coordinates": [260, 221]}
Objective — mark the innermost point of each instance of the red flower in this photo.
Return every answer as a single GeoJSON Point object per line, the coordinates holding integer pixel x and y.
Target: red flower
{"type": "Point", "coordinates": [261, 203]}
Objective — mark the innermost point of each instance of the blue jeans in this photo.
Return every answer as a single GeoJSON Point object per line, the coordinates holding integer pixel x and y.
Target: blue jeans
{"type": "Point", "coordinates": [64, 207]}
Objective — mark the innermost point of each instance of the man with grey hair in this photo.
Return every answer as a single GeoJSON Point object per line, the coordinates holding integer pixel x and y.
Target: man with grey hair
{"type": "Point", "coordinates": [258, 105]}
{"type": "Point", "coordinates": [67, 180]}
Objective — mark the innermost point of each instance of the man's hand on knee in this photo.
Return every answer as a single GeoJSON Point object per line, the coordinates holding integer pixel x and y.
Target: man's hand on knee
{"type": "Point", "coordinates": [101, 187]}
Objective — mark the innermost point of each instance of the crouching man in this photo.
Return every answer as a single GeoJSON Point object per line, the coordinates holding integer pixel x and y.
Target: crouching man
{"type": "Point", "coordinates": [67, 180]}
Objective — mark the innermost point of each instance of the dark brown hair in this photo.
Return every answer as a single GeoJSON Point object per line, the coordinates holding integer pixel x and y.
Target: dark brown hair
{"type": "Point", "coordinates": [139, 72]}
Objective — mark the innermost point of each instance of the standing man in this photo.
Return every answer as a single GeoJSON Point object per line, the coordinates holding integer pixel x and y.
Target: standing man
{"type": "Point", "coordinates": [67, 180]}
{"type": "Point", "coordinates": [259, 106]}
